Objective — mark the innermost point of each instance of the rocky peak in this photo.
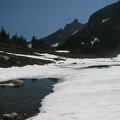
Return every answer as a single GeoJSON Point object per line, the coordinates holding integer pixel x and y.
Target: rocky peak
{"type": "Point", "coordinates": [75, 21]}
{"type": "Point", "coordinates": [62, 35]}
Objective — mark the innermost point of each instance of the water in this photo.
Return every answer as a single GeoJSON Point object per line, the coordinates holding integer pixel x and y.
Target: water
{"type": "Point", "coordinates": [26, 99]}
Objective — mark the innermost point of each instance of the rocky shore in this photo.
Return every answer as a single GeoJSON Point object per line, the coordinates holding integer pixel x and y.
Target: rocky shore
{"type": "Point", "coordinates": [15, 116]}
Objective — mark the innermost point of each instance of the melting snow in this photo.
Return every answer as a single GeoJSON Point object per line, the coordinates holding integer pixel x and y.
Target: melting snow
{"type": "Point", "coordinates": [82, 94]}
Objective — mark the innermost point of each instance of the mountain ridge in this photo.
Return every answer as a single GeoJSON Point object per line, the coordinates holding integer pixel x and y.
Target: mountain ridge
{"type": "Point", "coordinates": [104, 25]}
{"type": "Point", "coordinates": [109, 11]}
{"type": "Point", "coordinates": [61, 35]}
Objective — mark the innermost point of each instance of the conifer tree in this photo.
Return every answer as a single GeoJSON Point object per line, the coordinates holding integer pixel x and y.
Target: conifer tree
{"type": "Point", "coordinates": [3, 36]}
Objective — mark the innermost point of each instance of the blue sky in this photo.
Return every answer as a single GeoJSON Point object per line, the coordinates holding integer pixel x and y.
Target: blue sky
{"type": "Point", "coordinates": [43, 17]}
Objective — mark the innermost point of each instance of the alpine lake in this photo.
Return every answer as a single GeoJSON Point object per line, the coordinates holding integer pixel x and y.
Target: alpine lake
{"type": "Point", "coordinates": [25, 100]}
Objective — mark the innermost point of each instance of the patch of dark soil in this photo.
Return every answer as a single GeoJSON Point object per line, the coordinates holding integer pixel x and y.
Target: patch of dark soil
{"type": "Point", "coordinates": [20, 61]}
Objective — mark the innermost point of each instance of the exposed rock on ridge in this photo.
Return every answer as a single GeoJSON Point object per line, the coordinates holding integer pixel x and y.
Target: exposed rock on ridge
{"type": "Point", "coordinates": [62, 35]}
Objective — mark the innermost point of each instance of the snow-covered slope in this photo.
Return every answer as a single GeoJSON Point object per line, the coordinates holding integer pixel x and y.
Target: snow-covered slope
{"type": "Point", "coordinates": [84, 92]}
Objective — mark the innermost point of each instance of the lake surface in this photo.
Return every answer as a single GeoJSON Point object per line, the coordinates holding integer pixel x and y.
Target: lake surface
{"type": "Point", "coordinates": [26, 99]}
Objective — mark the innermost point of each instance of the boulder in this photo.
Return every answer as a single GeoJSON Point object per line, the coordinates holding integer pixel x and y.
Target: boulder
{"type": "Point", "coordinates": [11, 116]}
{"type": "Point", "coordinates": [17, 83]}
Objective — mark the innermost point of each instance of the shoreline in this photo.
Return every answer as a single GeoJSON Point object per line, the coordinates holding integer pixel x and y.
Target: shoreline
{"type": "Point", "coordinates": [35, 104]}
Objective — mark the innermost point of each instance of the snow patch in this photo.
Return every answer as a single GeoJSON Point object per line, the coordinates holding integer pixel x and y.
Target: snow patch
{"type": "Point", "coordinates": [49, 56]}
{"type": "Point", "coordinates": [82, 43]}
{"type": "Point", "coordinates": [75, 32]}
{"type": "Point", "coordinates": [55, 45]}
{"type": "Point", "coordinates": [1, 51]}
{"type": "Point", "coordinates": [62, 51]}
{"type": "Point", "coordinates": [95, 40]}
{"type": "Point", "coordinates": [30, 45]}
{"type": "Point", "coordinates": [104, 20]}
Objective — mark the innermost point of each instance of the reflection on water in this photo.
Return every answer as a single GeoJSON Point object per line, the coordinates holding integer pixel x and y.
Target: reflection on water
{"type": "Point", "coordinates": [2, 88]}
{"type": "Point", "coordinates": [26, 99]}
{"type": "Point", "coordinates": [34, 80]}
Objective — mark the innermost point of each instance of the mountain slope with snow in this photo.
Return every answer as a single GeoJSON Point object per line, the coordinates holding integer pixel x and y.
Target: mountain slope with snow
{"type": "Point", "coordinates": [103, 24]}
{"type": "Point", "coordinates": [110, 12]}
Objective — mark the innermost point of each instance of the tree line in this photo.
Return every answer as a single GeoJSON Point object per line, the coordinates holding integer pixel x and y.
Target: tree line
{"type": "Point", "coordinates": [21, 41]}
{"type": "Point", "coordinates": [14, 40]}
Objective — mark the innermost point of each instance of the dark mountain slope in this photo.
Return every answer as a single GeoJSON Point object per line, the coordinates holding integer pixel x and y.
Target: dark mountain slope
{"type": "Point", "coordinates": [100, 34]}
{"type": "Point", "coordinates": [109, 12]}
